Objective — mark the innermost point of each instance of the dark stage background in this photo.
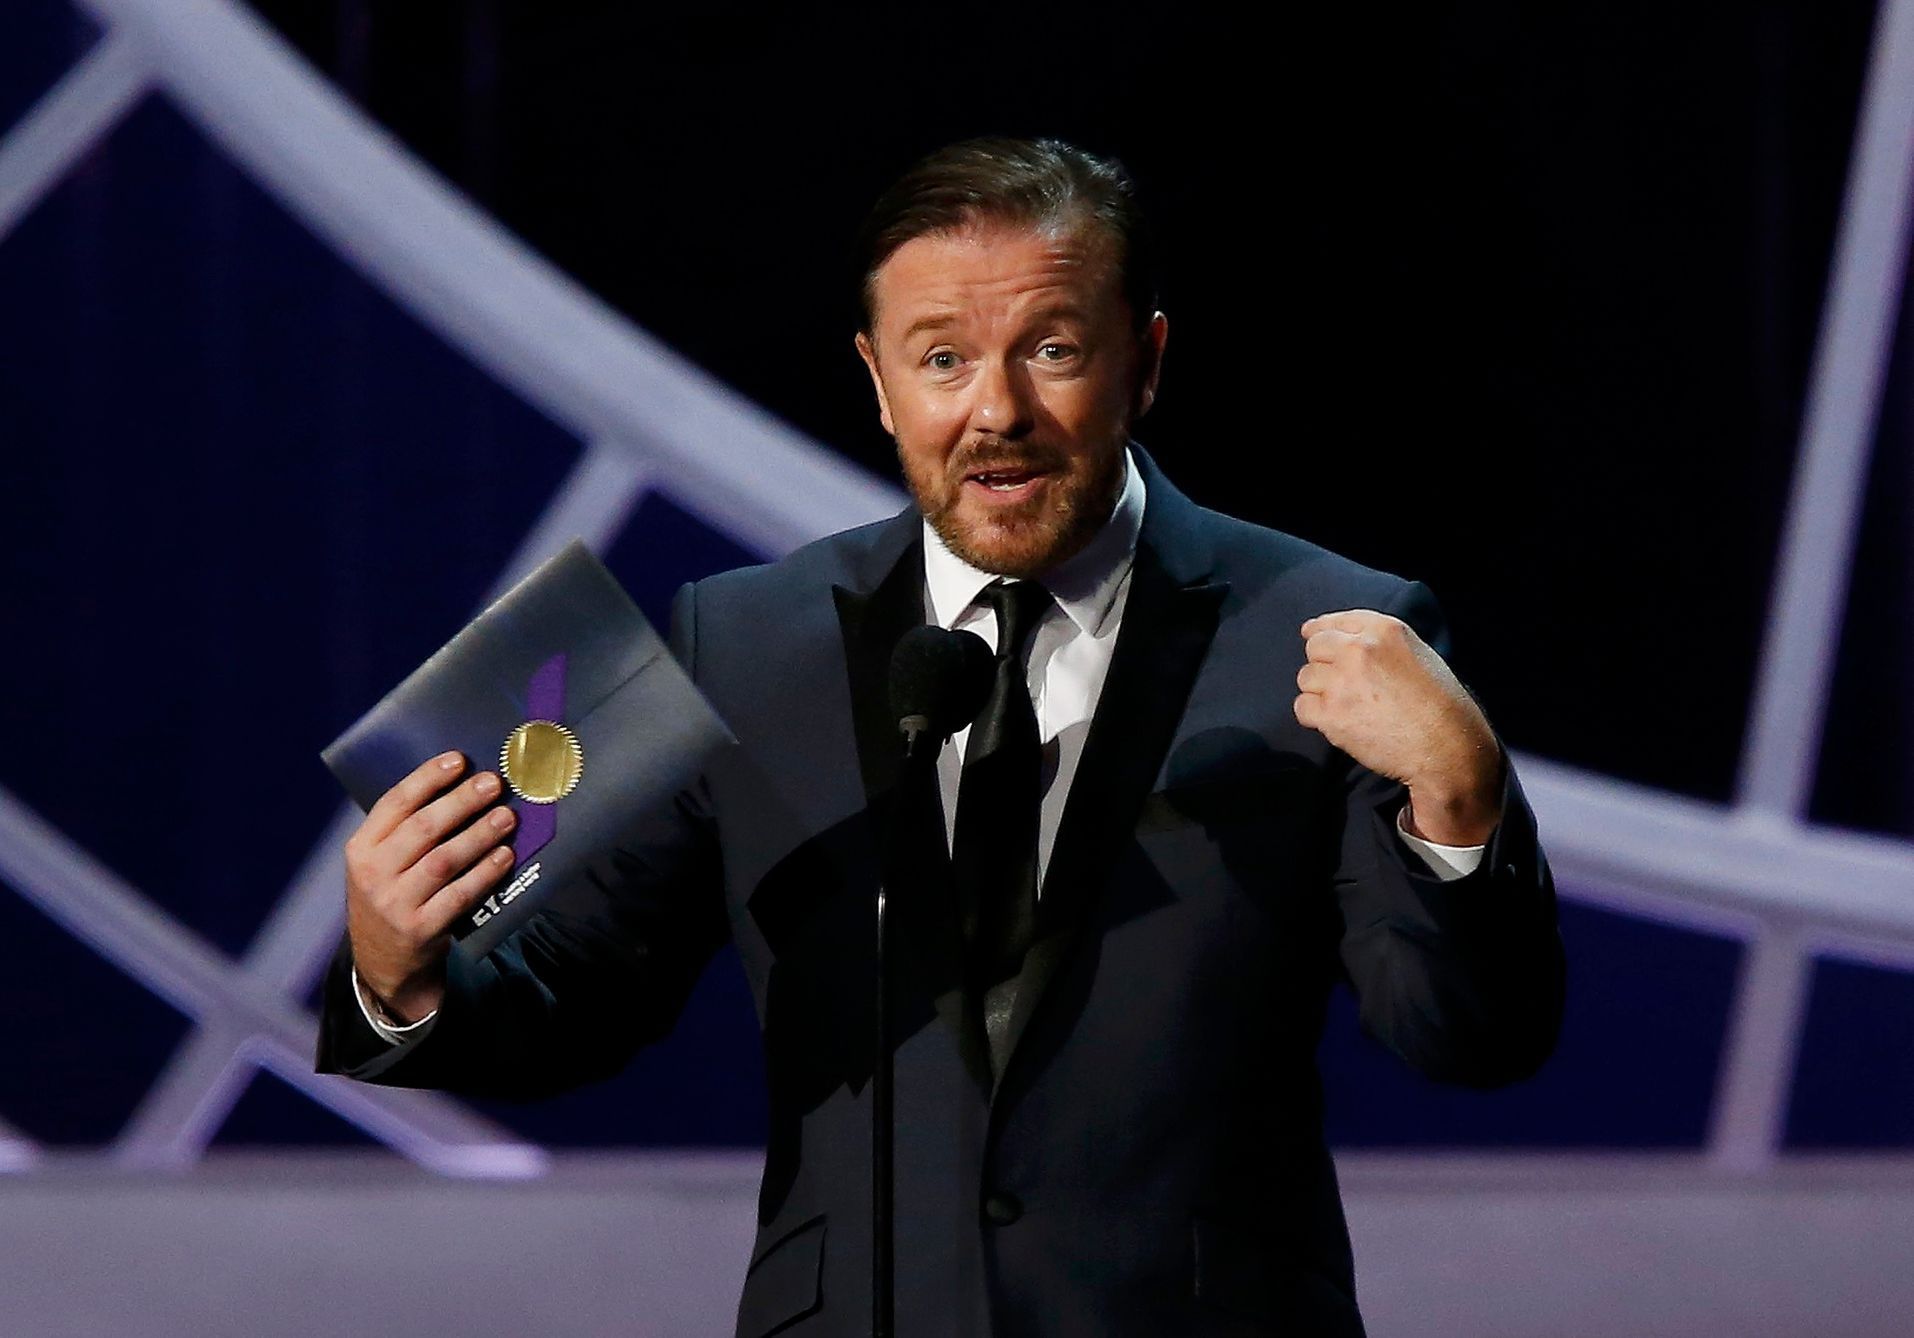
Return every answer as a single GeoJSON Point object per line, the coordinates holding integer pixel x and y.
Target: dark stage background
{"type": "Point", "coordinates": [1521, 305]}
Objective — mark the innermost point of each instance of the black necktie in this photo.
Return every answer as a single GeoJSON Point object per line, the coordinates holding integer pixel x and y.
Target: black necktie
{"type": "Point", "coordinates": [994, 845]}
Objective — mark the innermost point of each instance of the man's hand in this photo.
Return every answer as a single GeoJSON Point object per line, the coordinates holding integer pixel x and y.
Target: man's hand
{"type": "Point", "coordinates": [409, 878]}
{"type": "Point", "coordinates": [1375, 689]}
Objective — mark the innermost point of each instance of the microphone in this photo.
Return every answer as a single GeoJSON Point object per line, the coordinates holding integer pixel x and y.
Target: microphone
{"type": "Point", "coordinates": [939, 681]}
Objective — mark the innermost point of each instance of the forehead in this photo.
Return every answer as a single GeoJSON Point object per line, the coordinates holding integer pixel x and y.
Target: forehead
{"type": "Point", "coordinates": [992, 267]}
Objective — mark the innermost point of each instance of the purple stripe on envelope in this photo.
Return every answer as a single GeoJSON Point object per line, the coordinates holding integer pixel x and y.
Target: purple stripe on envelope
{"type": "Point", "coordinates": [544, 700]}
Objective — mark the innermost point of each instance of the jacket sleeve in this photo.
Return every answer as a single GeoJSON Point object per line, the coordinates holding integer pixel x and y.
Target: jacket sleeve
{"type": "Point", "coordinates": [600, 970]}
{"type": "Point", "coordinates": [1463, 977]}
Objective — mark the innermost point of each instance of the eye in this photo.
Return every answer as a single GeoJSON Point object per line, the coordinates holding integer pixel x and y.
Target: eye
{"type": "Point", "coordinates": [1055, 352]}
{"type": "Point", "coordinates": [943, 360]}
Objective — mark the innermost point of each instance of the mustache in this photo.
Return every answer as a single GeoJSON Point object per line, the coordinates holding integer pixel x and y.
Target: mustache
{"type": "Point", "coordinates": [984, 456]}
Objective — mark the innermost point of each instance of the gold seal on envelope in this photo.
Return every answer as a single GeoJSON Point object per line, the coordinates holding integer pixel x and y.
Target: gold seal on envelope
{"type": "Point", "coordinates": [541, 761]}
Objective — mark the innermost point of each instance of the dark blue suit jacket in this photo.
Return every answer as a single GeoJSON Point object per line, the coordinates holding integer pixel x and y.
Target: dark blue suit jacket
{"type": "Point", "coordinates": [1151, 1161]}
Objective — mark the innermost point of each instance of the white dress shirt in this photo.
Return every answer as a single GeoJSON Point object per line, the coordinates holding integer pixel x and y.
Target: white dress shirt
{"type": "Point", "coordinates": [1069, 657]}
{"type": "Point", "coordinates": [1068, 660]}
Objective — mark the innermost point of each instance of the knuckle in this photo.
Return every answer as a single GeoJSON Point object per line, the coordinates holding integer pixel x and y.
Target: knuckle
{"type": "Point", "coordinates": [362, 874]}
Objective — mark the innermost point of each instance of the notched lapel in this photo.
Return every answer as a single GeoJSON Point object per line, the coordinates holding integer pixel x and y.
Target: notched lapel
{"type": "Point", "coordinates": [1169, 620]}
{"type": "Point", "coordinates": [923, 902]}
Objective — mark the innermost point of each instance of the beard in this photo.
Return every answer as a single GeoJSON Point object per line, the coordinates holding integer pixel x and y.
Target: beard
{"type": "Point", "coordinates": [1024, 539]}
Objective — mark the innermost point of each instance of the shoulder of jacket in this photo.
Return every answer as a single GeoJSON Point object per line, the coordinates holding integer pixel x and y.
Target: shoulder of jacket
{"type": "Point", "coordinates": [812, 567]}
{"type": "Point", "coordinates": [1244, 546]}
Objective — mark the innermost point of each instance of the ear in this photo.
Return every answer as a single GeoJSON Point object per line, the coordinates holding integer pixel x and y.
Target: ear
{"type": "Point", "coordinates": [866, 351]}
{"type": "Point", "coordinates": [1151, 355]}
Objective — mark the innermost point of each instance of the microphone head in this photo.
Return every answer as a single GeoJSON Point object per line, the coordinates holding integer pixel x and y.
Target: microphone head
{"type": "Point", "coordinates": [939, 679]}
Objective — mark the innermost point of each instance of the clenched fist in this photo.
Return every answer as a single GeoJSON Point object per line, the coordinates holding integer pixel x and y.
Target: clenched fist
{"type": "Point", "coordinates": [412, 868]}
{"type": "Point", "coordinates": [1375, 689]}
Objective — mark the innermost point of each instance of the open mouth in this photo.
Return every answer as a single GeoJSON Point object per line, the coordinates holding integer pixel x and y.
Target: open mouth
{"type": "Point", "coordinates": [1006, 482]}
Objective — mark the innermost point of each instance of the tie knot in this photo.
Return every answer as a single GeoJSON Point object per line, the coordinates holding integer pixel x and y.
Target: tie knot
{"type": "Point", "coordinates": [1018, 605]}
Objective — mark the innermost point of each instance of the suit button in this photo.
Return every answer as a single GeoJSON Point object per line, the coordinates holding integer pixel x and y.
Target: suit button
{"type": "Point", "coordinates": [1508, 871]}
{"type": "Point", "coordinates": [1002, 1209]}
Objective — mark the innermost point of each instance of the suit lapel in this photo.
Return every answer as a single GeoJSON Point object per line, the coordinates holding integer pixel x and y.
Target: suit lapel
{"type": "Point", "coordinates": [1169, 619]}
{"type": "Point", "coordinates": [923, 902]}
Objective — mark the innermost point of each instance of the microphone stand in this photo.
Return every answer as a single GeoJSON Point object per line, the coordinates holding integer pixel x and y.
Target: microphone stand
{"type": "Point", "coordinates": [920, 751]}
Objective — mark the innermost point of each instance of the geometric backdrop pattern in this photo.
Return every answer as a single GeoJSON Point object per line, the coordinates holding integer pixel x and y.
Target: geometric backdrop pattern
{"type": "Point", "coordinates": [1755, 871]}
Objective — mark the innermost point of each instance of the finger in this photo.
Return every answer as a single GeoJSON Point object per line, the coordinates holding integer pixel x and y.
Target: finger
{"type": "Point", "coordinates": [458, 897]}
{"type": "Point", "coordinates": [425, 829]}
{"type": "Point", "coordinates": [1308, 709]}
{"type": "Point", "coordinates": [1313, 677]}
{"type": "Point", "coordinates": [1325, 644]}
{"type": "Point", "coordinates": [404, 799]}
{"type": "Point", "coordinates": [457, 853]}
{"type": "Point", "coordinates": [1343, 620]}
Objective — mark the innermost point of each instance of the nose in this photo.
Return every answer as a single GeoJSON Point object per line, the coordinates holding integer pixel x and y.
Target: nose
{"type": "Point", "coordinates": [1003, 405]}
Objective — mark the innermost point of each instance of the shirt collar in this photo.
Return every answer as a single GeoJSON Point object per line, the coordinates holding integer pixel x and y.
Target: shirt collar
{"type": "Point", "coordinates": [1085, 585]}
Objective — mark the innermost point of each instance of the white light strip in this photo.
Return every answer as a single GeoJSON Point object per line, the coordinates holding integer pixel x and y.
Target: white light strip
{"type": "Point", "coordinates": [1648, 852]}
{"type": "Point", "coordinates": [193, 1095]}
{"type": "Point", "coordinates": [1809, 596]}
{"type": "Point", "coordinates": [1757, 1064]}
{"type": "Point", "coordinates": [1850, 366]}
{"type": "Point", "coordinates": [45, 143]}
{"type": "Point", "coordinates": [597, 498]}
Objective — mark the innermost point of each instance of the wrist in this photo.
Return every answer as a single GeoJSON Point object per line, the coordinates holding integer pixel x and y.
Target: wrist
{"type": "Point", "coordinates": [1450, 817]}
{"type": "Point", "coordinates": [402, 1007]}
{"type": "Point", "coordinates": [1460, 801]}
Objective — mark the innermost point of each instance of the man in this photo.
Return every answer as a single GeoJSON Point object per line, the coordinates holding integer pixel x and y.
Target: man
{"type": "Point", "coordinates": [1220, 768]}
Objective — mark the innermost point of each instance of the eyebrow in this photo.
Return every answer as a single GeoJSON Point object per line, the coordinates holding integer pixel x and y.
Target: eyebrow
{"type": "Point", "coordinates": [922, 323]}
{"type": "Point", "coordinates": [943, 319]}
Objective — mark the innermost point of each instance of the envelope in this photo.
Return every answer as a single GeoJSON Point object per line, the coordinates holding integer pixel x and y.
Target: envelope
{"type": "Point", "coordinates": [563, 688]}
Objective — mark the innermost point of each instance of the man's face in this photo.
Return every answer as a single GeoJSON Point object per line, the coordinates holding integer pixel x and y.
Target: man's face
{"type": "Point", "coordinates": [1008, 372]}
